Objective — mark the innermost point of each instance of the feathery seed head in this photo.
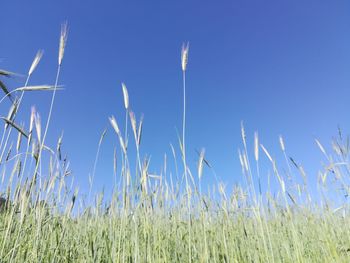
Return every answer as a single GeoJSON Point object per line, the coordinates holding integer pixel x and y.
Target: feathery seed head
{"type": "Point", "coordinates": [321, 147]}
{"type": "Point", "coordinates": [31, 124]}
{"type": "Point", "coordinates": [184, 55]}
{"type": "Point", "coordinates": [245, 162]}
{"type": "Point", "coordinates": [35, 62]}
{"type": "Point", "coordinates": [19, 140]}
{"type": "Point", "coordinates": [139, 133]}
{"type": "Point", "coordinates": [32, 116]}
{"type": "Point", "coordinates": [267, 153]}
{"type": "Point", "coordinates": [126, 96]}
{"type": "Point", "coordinates": [133, 123]}
{"type": "Point", "coordinates": [241, 159]}
{"type": "Point", "coordinates": [256, 146]}
{"type": "Point", "coordinates": [200, 163]}
{"type": "Point", "coordinates": [63, 40]}
{"type": "Point", "coordinates": [38, 126]}
{"type": "Point", "coordinates": [114, 124]}
{"type": "Point", "coordinates": [243, 134]}
{"type": "Point", "coordinates": [117, 130]}
{"type": "Point", "coordinates": [282, 143]}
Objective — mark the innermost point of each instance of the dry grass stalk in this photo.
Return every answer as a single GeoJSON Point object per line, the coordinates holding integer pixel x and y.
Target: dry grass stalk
{"type": "Point", "coordinates": [14, 125]}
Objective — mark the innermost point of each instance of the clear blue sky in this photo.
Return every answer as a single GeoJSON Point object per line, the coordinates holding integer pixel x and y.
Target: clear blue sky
{"type": "Point", "coordinates": [283, 67]}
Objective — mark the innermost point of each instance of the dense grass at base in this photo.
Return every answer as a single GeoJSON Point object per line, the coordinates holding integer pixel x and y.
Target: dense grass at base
{"type": "Point", "coordinates": [164, 236]}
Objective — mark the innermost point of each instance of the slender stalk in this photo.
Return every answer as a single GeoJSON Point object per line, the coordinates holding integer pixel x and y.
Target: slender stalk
{"type": "Point", "coordinates": [42, 143]}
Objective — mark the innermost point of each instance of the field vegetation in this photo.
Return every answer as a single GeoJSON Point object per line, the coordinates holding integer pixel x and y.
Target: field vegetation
{"type": "Point", "coordinates": [158, 218]}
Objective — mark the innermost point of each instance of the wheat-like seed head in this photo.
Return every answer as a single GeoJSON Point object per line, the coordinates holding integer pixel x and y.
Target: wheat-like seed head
{"type": "Point", "coordinates": [35, 62]}
{"type": "Point", "coordinates": [19, 140]}
{"type": "Point", "coordinates": [282, 143]}
{"type": "Point", "coordinates": [267, 153]}
{"type": "Point", "coordinates": [126, 96]}
{"type": "Point", "coordinates": [245, 161]}
{"type": "Point", "coordinates": [321, 147]}
{"type": "Point", "coordinates": [12, 112]}
{"type": "Point", "coordinates": [184, 55]}
{"type": "Point", "coordinates": [32, 117]}
{"type": "Point", "coordinates": [139, 133]}
{"type": "Point", "coordinates": [256, 146]}
{"type": "Point", "coordinates": [117, 130]}
{"type": "Point", "coordinates": [38, 126]}
{"type": "Point", "coordinates": [31, 124]}
{"type": "Point", "coordinates": [133, 124]}
{"type": "Point", "coordinates": [63, 40]}
{"type": "Point", "coordinates": [241, 159]}
{"type": "Point", "coordinates": [200, 163]}
{"type": "Point", "coordinates": [114, 124]}
{"type": "Point", "coordinates": [243, 134]}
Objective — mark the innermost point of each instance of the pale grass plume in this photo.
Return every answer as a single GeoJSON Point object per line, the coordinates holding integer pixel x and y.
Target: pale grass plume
{"type": "Point", "coordinates": [136, 130]}
{"type": "Point", "coordinates": [37, 121]}
{"type": "Point", "coordinates": [58, 147]}
{"type": "Point", "coordinates": [63, 40]}
{"type": "Point", "coordinates": [39, 88]}
{"type": "Point", "coordinates": [283, 185]}
{"type": "Point", "coordinates": [241, 159]}
{"type": "Point", "coordinates": [19, 140]}
{"type": "Point", "coordinates": [117, 130]}
{"type": "Point", "coordinates": [256, 146]}
{"type": "Point", "coordinates": [35, 62]}
{"type": "Point", "coordinates": [114, 124]}
{"type": "Point", "coordinates": [126, 96]}
{"type": "Point", "coordinates": [31, 124]}
{"type": "Point", "coordinates": [267, 153]}
{"type": "Point", "coordinates": [282, 143]}
{"type": "Point", "coordinates": [200, 164]}
{"type": "Point", "coordinates": [184, 56]}
{"type": "Point", "coordinates": [12, 112]}
{"type": "Point", "coordinates": [245, 162]}
{"type": "Point", "coordinates": [139, 133]}
{"type": "Point", "coordinates": [321, 147]}
{"type": "Point", "coordinates": [35, 149]}
{"type": "Point", "coordinates": [133, 124]}
{"type": "Point", "coordinates": [244, 137]}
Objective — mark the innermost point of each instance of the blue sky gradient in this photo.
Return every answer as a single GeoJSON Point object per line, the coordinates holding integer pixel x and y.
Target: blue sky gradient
{"type": "Point", "coordinates": [280, 66]}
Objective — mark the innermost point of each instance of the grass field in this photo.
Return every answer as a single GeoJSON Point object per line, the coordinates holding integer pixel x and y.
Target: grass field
{"type": "Point", "coordinates": [155, 218]}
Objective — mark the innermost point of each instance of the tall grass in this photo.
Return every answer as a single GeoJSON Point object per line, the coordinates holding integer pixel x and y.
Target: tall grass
{"type": "Point", "coordinates": [155, 217]}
